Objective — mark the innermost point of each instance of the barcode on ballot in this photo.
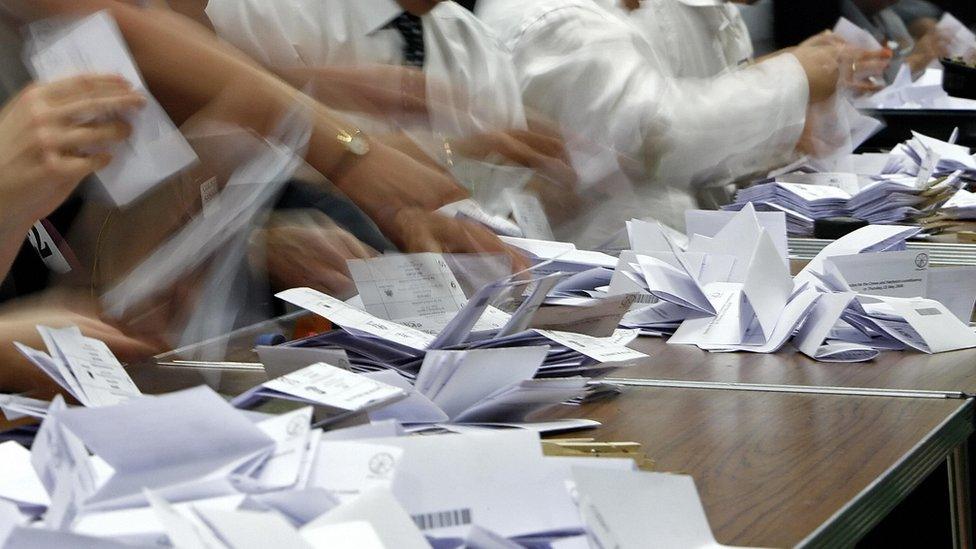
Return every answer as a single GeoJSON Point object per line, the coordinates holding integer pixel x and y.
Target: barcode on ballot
{"type": "Point", "coordinates": [443, 519]}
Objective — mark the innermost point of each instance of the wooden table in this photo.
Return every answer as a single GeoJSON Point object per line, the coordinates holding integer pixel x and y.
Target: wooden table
{"type": "Point", "coordinates": [778, 470]}
{"type": "Point", "coordinates": [774, 469]}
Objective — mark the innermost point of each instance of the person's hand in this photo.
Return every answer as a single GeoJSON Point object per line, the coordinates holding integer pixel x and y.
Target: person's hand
{"type": "Point", "coordinates": [53, 135]}
{"type": "Point", "coordinates": [309, 249]}
{"type": "Point", "coordinates": [543, 153]}
{"type": "Point", "coordinates": [424, 231]}
{"type": "Point", "coordinates": [934, 45]}
{"type": "Point", "coordinates": [20, 324]}
{"type": "Point", "coordinates": [867, 69]}
{"type": "Point", "coordinates": [825, 38]}
{"type": "Point", "coordinates": [822, 66]}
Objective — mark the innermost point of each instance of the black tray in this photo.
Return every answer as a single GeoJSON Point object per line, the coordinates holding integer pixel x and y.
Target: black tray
{"type": "Point", "coordinates": [939, 124]}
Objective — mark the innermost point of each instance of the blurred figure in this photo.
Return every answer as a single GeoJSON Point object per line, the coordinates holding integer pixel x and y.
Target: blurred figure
{"type": "Point", "coordinates": [919, 15]}
{"type": "Point", "coordinates": [590, 68]}
{"type": "Point", "coordinates": [455, 100]}
{"type": "Point", "coordinates": [880, 19]}
{"type": "Point", "coordinates": [45, 131]}
{"type": "Point", "coordinates": [397, 192]}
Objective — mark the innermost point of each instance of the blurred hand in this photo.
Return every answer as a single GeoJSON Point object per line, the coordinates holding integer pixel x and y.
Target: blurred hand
{"type": "Point", "coordinates": [20, 324]}
{"type": "Point", "coordinates": [308, 249]}
{"type": "Point", "coordinates": [822, 65]}
{"type": "Point", "coordinates": [541, 152]}
{"type": "Point", "coordinates": [424, 231]}
{"type": "Point", "coordinates": [934, 45]}
{"type": "Point", "coordinates": [867, 69]}
{"type": "Point", "coordinates": [50, 138]}
{"type": "Point", "coordinates": [825, 38]}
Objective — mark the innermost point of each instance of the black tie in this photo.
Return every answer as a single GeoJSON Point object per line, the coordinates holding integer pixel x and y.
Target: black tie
{"type": "Point", "coordinates": [412, 29]}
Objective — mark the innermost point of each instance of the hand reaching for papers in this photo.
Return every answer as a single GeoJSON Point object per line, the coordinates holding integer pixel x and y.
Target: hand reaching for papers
{"type": "Point", "coordinates": [20, 324]}
{"type": "Point", "coordinates": [53, 135]}
{"type": "Point", "coordinates": [931, 47]}
{"type": "Point", "coordinates": [308, 249]}
{"type": "Point", "coordinates": [424, 231]}
{"type": "Point", "coordinates": [821, 62]}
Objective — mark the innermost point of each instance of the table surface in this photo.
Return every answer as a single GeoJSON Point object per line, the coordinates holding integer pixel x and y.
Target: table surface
{"type": "Point", "coordinates": [907, 370]}
{"type": "Point", "coordinates": [772, 468]}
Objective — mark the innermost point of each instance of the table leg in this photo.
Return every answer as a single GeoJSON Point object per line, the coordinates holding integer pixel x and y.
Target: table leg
{"type": "Point", "coordinates": [959, 497]}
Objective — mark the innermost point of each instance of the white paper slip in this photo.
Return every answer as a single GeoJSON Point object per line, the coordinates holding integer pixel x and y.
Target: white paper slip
{"type": "Point", "coordinates": [252, 530]}
{"type": "Point", "coordinates": [602, 349]}
{"type": "Point", "coordinates": [529, 214]}
{"type": "Point", "coordinates": [954, 287]}
{"type": "Point", "coordinates": [821, 321]}
{"type": "Point", "coordinates": [711, 222]}
{"type": "Point", "coordinates": [83, 366]}
{"type": "Point", "coordinates": [457, 380]}
{"type": "Point", "coordinates": [166, 443]}
{"type": "Point", "coordinates": [396, 286]}
{"type": "Point", "coordinates": [156, 150]}
{"type": "Point", "coordinates": [842, 351]}
{"type": "Point", "coordinates": [625, 509]}
{"type": "Point", "coordinates": [348, 468]}
{"type": "Point", "coordinates": [894, 274]}
{"type": "Point", "coordinates": [19, 483]}
{"type": "Point", "coordinates": [350, 317]}
{"type": "Point", "coordinates": [325, 385]}
{"type": "Point", "coordinates": [870, 238]}
{"type": "Point", "coordinates": [939, 329]}
{"type": "Point", "coordinates": [855, 35]}
{"type": "Point", "coordinates": [600, 318]}
{"type": "Point", "coordinates": [291, 432]}
{"type": "Point", "coordinates": [381, 511]}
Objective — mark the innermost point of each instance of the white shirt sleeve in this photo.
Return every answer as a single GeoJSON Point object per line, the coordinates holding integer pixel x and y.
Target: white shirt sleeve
{"type": "Point", "coordinates": [597, 76]}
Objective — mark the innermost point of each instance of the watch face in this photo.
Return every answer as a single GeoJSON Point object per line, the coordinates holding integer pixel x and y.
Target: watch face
{"type": "Point", "coordinates": [358, 145]}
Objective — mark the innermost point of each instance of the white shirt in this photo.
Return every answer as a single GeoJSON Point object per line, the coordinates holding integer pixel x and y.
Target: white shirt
{"type": "Point", "coordinates": [697, 39]}
{"type": "Point", "coordinates": [592, 70]}
{"type": "Point", "coordinates": [482, 90]}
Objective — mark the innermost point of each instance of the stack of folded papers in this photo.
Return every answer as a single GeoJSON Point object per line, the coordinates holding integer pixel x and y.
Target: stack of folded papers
{"type": "Point", "coordinates": [911, 184]}
{"type": "Point", "coordinates": [186, 469]}
{"type": "Point", "coordinates": [732, 291]}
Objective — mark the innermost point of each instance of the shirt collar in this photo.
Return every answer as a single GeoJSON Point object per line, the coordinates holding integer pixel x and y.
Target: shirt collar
{"type": "Point", "coordinates": [373, 15]}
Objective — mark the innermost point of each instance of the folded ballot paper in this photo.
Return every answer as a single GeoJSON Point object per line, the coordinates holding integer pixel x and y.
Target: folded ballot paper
{"type": "Point", "coordinates": [376, 343]}
{"type": "Point", "coordinates": [186, 469]}
{"type": "Point", "coordinates": [84, 367]}
{"type": "Point", "coordinates": [334, 389]}
{"type": "Point", "coordinates": [93, 45]}
{"type": "Point", "coordinates": [478, 386]}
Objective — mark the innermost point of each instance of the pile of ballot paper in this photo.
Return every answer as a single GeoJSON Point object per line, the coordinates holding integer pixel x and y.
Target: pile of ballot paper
{"type": "Point", "coordinates": [410, 305]}
{"type": "Point", "coordinates": [732, 291]}
{"type": "Point", "coordinates": [186, 469]}
{"type": "Point", "coordinates": [911, 183]}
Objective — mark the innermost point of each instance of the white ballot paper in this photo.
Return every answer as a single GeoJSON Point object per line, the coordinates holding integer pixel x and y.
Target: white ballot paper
{"type": "Point", "coordinates": [710, 222]}
{"type": "Point", "coordinates": [498, 480]}
{"type": "Point", "coordinates": [156, 150]}
{"type": "Point", "coordinates": [894, 274]}
{"type": "Point", "coordinates": [83, 366]}
{"type": "Point", "coordinates": [855, 35]}
{"type": "Point", "coordinates": [352, 318]}
{"type": "Point", "coordinates": [920, 323]}
{"type": "Point", "coordinates": [822, 319]}
{"type": "Point", "coordinates": [377, 508]}
{"type": "Point", "coordinates": [398, 287]}
{"type": "Point", "coordinates": [184, 445]}
{"type": "Point", "coordinates": [638, 509]}
{"type": "Point", "coordinates": [325, 385]}
{"type": "Point", "coordinates": [529, 214]}
{"type": "Point", "coordinates": [873, 238]}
